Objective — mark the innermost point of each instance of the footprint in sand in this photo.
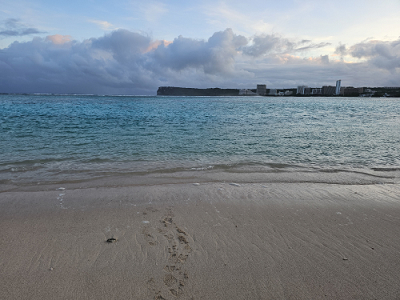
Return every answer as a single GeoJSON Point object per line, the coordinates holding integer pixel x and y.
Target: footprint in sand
{"type": "Point", "coordinates": [175, 280]}
{"type": "Point", "coordinates": [169, 280]}
{"type": "Point", "coordinates": [179, 249]}
{"type": "Point", "coordinates": [150, 237]}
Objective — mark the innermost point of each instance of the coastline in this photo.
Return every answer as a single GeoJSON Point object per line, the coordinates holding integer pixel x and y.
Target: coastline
{"type": "Point", "coordinates": [217, 173]}
{"type": "Point", "coordinates": [218, 236]}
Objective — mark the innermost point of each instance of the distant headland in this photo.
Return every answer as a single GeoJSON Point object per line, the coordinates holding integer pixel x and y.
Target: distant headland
{"type": "Point", "coordinates": [300, 91]}
{"type": "Point", "coordinates": [180, 91]}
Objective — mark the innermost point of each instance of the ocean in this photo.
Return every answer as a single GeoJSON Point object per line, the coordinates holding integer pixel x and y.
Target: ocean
{"type": "Point", "coordinates": [57, 138]}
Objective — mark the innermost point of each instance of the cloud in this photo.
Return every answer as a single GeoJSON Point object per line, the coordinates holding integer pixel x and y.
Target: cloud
{"type": "Point", "coordinates": [13, 27]}
{"type": "Point", "coordinates": [312, 46]}
{"type": "Point", "coordinates": [155, 44]}
{"type": "Point", "coordinates": [264, 44]}
{"type": "Point", "coordinates": [124, 45]}
{"type": "Point", "coordinates": [217, 55]}
{"type": "Point", "coordinates": [341, 50]}
{"type": "Point", "coordinates": [59, 39]}
{"type": "Point", "coordinates": [126, 62]}
{"type": "Point", "coordinates": [382, 54]}
{"type": "Point", "coordinates": [273, 44]}
{"type": "Point", "coordinates": [119, 62]}
{"type": "Point", "coordinates": [108, 64]}
{"type": "Point", "coordinates": [324, 59]}
{"type": "Point", "coordinates": [104, 25]}
{"type": "Point", "coordinates": [375, 48]}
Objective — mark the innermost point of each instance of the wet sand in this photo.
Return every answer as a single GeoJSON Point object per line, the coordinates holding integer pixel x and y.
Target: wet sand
{"type": "Point", "coordinates": [201, 240]}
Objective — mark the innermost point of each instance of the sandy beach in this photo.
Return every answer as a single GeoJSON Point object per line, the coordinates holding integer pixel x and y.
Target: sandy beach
{"type": "Point", "coordinates": [193, 239]}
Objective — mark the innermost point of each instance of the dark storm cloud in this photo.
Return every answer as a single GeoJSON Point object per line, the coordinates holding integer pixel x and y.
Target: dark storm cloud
{"type": "Point", "coordinates": [13, 27]}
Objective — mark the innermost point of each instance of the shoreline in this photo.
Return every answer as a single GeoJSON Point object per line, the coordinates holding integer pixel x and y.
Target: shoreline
{"type": "Point", "coordinates": [201, 240]}
{"type": "Point", "coordinates": [239, 174]}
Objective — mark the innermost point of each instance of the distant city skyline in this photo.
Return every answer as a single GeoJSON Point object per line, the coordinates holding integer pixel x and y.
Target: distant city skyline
{"type": "Point", "coordinates": [132, 47]}
{"type": "Point", "coordinates": [302, 90]}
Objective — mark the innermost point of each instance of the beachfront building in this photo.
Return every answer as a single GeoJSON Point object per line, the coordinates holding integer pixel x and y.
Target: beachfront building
{"type": "Point", "coordinates": [301, 89]}
{"type": "Point", "coordinates": [273, 92]}
{"type": "Point", "coordinates": [338, 83]}
{"type": "Point", "coordinates": [316, 91]}
{"type": "Point", "coordinates": [246, 92]}
{"type": "Point", "coordinates": [261, 89]}
{"type": "Point", "coordinates": [328, 90]}
{"type": "Point", "coordinates": [351, 91]}
{"type": "Point", "coordinates": [307, 91]}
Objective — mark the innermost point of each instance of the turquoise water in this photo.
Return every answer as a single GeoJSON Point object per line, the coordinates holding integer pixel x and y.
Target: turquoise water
{"type": "Point", "coordinates": [55, 138]}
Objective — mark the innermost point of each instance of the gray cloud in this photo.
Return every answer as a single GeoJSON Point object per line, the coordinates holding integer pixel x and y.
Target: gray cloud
{"type": "Point", "coordinates": [376, 48]}
{"type": "Point", "coordinates": [96, 65]}
{"type": "Point", "coordinates": [13, 27]}
{"type": "Point", "coordinates": [325, 59]}
{"type": "Point", "coordinates": [125, 45]}
{"type": "Point", "coordinates": [264, 44]}
{"type": "Point", "coordinates": [341, 50]}
{"type": "Point", "coordinates": [385, 55]}
{"type": "Point", "coordinates": [125, 62]}
{"type": "Point", "coordinates": [272, 44]}
{"type": "Point", "coordinates": [119, 62]}
{"type": "Point", "coordinates": [215, 56]}
{"type": "Point", "coordinates": [312, 46]}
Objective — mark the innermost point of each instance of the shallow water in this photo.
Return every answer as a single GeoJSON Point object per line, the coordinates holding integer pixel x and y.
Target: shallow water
{"type": "Point", "coordinates": [56, 138]}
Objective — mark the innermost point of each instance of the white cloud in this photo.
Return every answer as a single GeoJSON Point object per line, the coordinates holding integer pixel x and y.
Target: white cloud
{"type": "Point", "coordinates": [104, 25]}
{"type": "Point", "coordinates": [59, 39]}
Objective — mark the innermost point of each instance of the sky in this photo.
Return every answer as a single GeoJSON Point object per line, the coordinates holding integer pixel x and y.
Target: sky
{"type": "Point", "coordinates": [133, 47]}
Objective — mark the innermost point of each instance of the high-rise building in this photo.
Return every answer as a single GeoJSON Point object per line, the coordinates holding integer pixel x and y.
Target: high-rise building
{"type": "Point", "coordinates": [338, 83]}
{"type": "Point", "coordinates": [301, 89]}
{"type": "Point", "coordinates": [261, 89]}
{"type": "Point", "coordinates": [328, 90]}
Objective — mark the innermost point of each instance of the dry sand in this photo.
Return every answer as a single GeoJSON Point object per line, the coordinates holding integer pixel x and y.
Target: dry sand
{"type": "Point", "coordinates": [211, 240]}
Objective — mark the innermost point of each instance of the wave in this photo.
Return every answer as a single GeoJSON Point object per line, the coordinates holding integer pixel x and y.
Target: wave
{"type": "Point", "coordinates": [386, 169]}
{"type": "Point", "coordinates": [142, 173]}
